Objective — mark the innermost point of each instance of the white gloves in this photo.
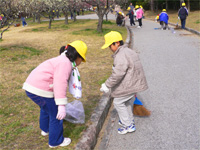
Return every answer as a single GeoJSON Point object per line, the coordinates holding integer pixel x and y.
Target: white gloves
{"type": "Point", "coordinates": [104, 88]}
{"type": "Point", "coordinates": [61, 112]}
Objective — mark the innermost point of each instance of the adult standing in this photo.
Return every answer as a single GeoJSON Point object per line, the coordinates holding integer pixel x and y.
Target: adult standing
{"type": "Point", "coordinates": [131, 6]}
{"type": "Point", "coordinates": [130, 14]}
{"type": "Point", "coordinates": [182, 14]}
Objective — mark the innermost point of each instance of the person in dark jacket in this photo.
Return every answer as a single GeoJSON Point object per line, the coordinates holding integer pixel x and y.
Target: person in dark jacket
{"type": "Point", "coordinates": [183, 13]}
{"type": "Point", "coordinates": [163, 17]}
{"type": "Point", "coordinates": [119, 19]}
{"type": "Point", "coordinates": [130, 14]}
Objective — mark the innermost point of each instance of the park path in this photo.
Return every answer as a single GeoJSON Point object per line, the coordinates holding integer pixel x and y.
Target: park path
{"type": "Point", "coordinates": [171, 65]}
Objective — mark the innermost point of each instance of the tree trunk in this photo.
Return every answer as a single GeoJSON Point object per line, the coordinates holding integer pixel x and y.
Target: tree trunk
{"type": "Point", "coordinates": [34, 17]}
{"type": "Point", "coordinates": [152, 5]}
{"type": "Point", "coordinates": [100, 22]}
{"type": "Point", "coordinates": [106, 17]}
{"type": "Point", "coordinates": [50, 21]}
{"type": "Point", "coordinates": [74, 15]}
{"type": "Point", "coordinates": [66, 18]}
{"type": "Point", "coordinates": [188, 5]}
{"type": "Point", "coordinates": [38, 19]}
{"type": "Point", "coordinates": [166, 1]}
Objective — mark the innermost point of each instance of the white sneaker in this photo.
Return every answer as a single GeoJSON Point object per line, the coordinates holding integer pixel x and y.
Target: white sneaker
{"type": "Point", "coordinates": [66, 142]}
{"type": "Point", "coordinates": [124, 130]}
{"type": "Point", "coordinates": [138, 27]}
{"type": "Point", "coordinates": [44, 133]}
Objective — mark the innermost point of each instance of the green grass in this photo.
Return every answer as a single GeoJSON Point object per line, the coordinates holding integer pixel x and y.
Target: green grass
{"type": "Point", "coordinates": [197, 22]}
{"type": "Point", "coordinates": [86, 32]}
{"type": "Point", "coordinates": [18, 53]}
{"type": "Point", "coordinates": [108, 22]}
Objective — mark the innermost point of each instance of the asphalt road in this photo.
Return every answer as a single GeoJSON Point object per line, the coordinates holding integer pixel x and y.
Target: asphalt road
{"type": "Point", "coordinates": [171, 65]}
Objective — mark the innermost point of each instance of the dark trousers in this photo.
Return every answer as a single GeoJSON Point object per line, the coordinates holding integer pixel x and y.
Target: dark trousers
{"type": "Point", "coordinates": [132, 21]}
{"type": "Point", "coordinates": [48, 121]}
{"type": "Point", "coordinates": [163, 25]}
{"type": "Point", "coordinates": [183, 23]}
{"type": "Point", "coordinates": [140, 22]}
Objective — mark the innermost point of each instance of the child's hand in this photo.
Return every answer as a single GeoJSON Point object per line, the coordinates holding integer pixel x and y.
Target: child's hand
{"type": "Point", "coordinates": [104, 88]}
{"type": "Point", "coordinates": [61, 112]}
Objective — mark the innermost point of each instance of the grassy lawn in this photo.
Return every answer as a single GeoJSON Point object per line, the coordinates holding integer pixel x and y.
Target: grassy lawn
{"type": "Point", "coordinates": [21, 50]}
{"type": "Point", "coordinates": [192, 21]}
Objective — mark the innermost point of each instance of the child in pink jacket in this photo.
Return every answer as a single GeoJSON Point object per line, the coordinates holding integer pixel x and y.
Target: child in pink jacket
{"type": "Point", "coordinates": [139, 15]}
{"type": "Point", "coordinates": [47, 85]}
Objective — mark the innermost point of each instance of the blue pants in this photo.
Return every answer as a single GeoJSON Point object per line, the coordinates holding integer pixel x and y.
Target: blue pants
{"type": "Point", "coordinates": [48, 121]}
{"type": "Point", "coordinates": [24, 23]}
{"type": "Point", "coordinates": [183, 23]}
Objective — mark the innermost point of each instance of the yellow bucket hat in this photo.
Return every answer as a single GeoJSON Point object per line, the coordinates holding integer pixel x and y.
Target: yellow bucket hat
{"type": "Point", "coordinates": [80, 47]}
{"type": "Point", "coordinates": [112, 36]}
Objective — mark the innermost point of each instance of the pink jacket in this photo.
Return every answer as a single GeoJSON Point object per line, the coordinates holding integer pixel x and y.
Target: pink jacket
{"type": "Point", "coordinates": [50, 79]}
{"type": "Point", "coordinates": [139, 13]}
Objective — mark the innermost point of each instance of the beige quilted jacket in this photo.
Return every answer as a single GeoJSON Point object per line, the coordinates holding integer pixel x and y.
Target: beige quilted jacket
{"type": "Point", "coordinates": [128, 75]}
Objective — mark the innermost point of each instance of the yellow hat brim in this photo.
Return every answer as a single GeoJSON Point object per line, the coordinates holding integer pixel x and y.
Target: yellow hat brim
{"type": "Point", "coordinates": [105, 46]}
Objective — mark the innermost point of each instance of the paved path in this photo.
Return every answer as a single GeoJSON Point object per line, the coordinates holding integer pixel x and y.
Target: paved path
{"type": "Point", "coordinates": [171, 64]}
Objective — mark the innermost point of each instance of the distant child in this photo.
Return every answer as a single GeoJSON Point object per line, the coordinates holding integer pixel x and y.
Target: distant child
{"type": "Point", "coordinates": [183, 13]}
{"type": "Point", "coordinates": [126, 80]}
{"type": "Point", "coordinates": [23, 20]}
{"type": "Point", "coordinates": [119, 19]}
{"type": "Point", "coordinates": [163, 17]}
{"type": "Point", "coordinates": [139, 15]}
{"type": "Point", "coordinates": [130, 14]}
{"type": "Point", "coordinates": [157, 18]}
{"type": "Point", "coordinates": [47, 85]}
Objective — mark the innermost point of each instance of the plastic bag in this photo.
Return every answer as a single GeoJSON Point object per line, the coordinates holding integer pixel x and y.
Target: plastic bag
{"type": "Point", "coordinates": [75, 83]}
{"type": "Point", "coordinates": [75, 112]}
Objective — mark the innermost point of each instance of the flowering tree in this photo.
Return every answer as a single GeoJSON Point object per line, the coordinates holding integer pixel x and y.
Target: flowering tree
{"type": "Point", "coordinates": [9, 14]}
{"type": "Point", "coordinates": [102, 8]}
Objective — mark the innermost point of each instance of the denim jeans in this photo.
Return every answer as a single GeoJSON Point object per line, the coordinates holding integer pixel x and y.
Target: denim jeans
{"type": "Point", "coordinates": [48, 121]}
{"type": "Point", "coordinates": [183, 23]}
{"type": "Point", "coordinates": [24, 23]}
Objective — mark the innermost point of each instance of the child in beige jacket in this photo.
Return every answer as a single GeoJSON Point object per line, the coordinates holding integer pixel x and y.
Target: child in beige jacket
{"type": "Point", "coordinates": [127, 78]}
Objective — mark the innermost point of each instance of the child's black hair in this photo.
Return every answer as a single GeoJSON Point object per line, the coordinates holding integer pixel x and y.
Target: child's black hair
{"type": "Point", "coordinates": [71, 53]}
{"type": "Point", "coordinates": [120, 42]}
{"type": "Point", "coordinates": [62, 49]}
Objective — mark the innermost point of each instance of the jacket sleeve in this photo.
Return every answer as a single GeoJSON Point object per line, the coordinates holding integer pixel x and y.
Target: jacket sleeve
{"type": "Point", "coordinates": [128, 14]}
{"type": "Point", "coordinates": [186, 11]}
{"type": "Point", "coordinates": [61, 75]}
{"type": "Point", "coordinates": [119, 71]}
